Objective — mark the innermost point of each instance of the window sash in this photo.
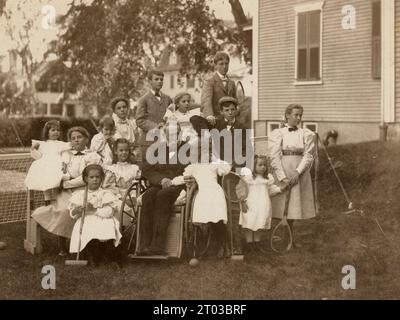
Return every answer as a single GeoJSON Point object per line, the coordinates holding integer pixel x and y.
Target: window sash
{"type": "Point", "coordinates": [308, 40]}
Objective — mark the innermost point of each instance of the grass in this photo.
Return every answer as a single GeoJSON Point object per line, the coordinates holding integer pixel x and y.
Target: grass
{"type": "Point", "coordinates": [370, 174]}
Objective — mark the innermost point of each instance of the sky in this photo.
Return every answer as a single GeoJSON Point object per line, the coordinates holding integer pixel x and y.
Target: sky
{"type": "Point", "coordinates": [41, 10]}
{"type": "Point", "coordinates": [221, 11]}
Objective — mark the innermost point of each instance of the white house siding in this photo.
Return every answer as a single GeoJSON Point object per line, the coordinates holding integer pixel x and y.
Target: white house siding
{"type": "Point", "coordinates": [348, 93]}
{"type": "Point", "coordinates": [397, 26]}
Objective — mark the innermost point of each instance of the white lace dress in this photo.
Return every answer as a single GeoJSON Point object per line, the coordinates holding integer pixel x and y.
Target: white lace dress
{"type": "Point", "coordinates": [99, 222]}
{"type": "Point", "coordinates": [118, 178]}
{"type": "Point", "coordinates": [259, 213]}
{"type": "Point", "coordinates": [46, 171]}
{"type": "Point", "coordinates": [209, 204]}
{"type": "Point", "coordinates": [187, 131]}
{"type": "Point", "coordinates": [100, 145]}
{"type": "Point", "coordinates": [301, 143]}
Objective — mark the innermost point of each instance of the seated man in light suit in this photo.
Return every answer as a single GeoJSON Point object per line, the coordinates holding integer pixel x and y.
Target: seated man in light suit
{"type": "Point", "coordinates": [216, 86]}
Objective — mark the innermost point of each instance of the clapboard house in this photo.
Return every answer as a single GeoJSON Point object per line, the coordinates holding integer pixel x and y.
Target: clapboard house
{"type": "Point", "coordinates": [340, 59]}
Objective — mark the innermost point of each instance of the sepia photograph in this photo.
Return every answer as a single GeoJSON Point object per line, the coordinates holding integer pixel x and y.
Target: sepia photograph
{"type": "Point", "coordinates": [199, 150]}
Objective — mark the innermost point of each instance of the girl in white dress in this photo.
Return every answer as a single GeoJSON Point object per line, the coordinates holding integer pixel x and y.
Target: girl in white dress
{"type": "Point", "coordinates": [49, 167]}
{"type": "Point", "coordinates": [210, 204]}
{"type": "Point", "coordinates": [121, 174]}
{"type": "Point", "coordinates": [100, 227]}
{"type": "Point", "coordinates": [124, 127]}
{"type": "Point", "coordinates": [179, 112]}
{"type": "Point", "coordinates": [256, 213]}
{"type": "Point", "coordinates": [102, 142]}
{"type": "Point", "coordinates": [292, 151]}
{"type": "Point", "coordinates": [55, 217]}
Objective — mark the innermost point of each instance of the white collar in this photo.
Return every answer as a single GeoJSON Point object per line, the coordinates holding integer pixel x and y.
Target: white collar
{"type": "Point", "coordinates": [222, 77]}
{"type": "Point", "coordinates": [118, 119]}
{"type": "Point", "coordinates": [177, 110]}
{"type": "Point", "coordinates": [84, 151]}
{"type": "Point", "coordinates": [154, 93]}
{"type": "Point", "coordinates": [227, 122]}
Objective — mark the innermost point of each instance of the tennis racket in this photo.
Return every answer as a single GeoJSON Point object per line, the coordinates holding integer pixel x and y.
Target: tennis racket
{"type": "Point", "coordinates": [282, 236]}
{"type": "Point", "coordinates": [240, 94]}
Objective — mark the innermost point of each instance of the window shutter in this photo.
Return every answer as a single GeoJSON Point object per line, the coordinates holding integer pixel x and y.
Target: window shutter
{"type": "Point", "coordinates": [376, 40]}
{"type": "Point", "coordinates": [314, 44]}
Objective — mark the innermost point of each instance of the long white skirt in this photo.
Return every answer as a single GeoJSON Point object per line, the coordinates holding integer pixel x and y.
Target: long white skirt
{"type": "Point", "coordinates": [94, 227]}
{"type": "Point", "coordinates": [55, 217]}
{"type": "Point", "coordinates": [301, 204]}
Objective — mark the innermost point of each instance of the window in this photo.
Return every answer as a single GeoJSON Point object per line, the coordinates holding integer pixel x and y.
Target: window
{"type": "Point", "coordinates": [376, 39]}
{"type": "Point", "coordinates": [55, 87]}
{"type": "Point", "coordinates": [308, 42]}
{"type": "Point", "coordinates": [172, 80]}
{"type": "Point", "coordinates": [272, 125]}
{"type": "Point", "coordinates": [313, 126]}
{"type": "Point", "coordinates": [190, 82]}
{"type": "Point", "coordinates": [41, 86]}
{"type": "Point", "coordinates": [56, 109]}
{"type": "Point", "coordinates": [70, 110]}
{"type": "Point", "coordinates": [41, 108]}
{"type": "Point", "coordinates": [173, 59]}
{"type": "Point", "coordinates": [72, 87]}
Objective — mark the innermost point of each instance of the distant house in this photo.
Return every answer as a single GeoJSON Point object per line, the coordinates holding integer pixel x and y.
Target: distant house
{"type": "Point", "coordinates": [174, 82]}
{"type": "Point", "coordinates": [55, 97]}
{"type": "Point", "coordinates": [339, 59]}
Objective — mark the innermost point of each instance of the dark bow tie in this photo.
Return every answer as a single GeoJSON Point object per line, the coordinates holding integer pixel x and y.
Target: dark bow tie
{"type": "Point", "coordinates": [79, 153]}
{"type": "Point", "coordinates": [293, 129]}
{"type": "Point", "coordinates": [157, 94]}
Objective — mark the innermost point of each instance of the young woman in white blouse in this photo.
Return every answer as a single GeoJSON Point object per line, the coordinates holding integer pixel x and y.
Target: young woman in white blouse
{"type": "Point", "coordinates": [292, 152]}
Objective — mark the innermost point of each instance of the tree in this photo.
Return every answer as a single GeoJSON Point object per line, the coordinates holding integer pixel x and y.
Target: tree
{"type": "Point", "coordinates": [241, 20]}
{"type": "Point", "coordinates": [238, 12]}
{"type": "Point", "coordinates": [110, 44]}
{"type": "Point", "coordinates": [22, 25]}
{"type": "Point", "coordinates": [2, 5]}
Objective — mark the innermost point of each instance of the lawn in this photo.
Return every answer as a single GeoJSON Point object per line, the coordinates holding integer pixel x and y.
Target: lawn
{"type": "Point", "coordinates": [366, 240]}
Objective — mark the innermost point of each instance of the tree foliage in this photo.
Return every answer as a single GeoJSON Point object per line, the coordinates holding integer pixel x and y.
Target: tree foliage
{"type": "Point", "coordinates": [111, 43]}
{"type": "Point", "coordinates": [21, 22]}
{"type": "Point", "coordinates": [2, 5]}
{"type": "Point", "coordinates": [14, 98]}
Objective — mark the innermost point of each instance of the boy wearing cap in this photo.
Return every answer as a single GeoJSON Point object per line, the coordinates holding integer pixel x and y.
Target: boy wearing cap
{"type": "Point", "coordinates": [216, 86]}
{"type": "Point", "coordinates": [228, 121]}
